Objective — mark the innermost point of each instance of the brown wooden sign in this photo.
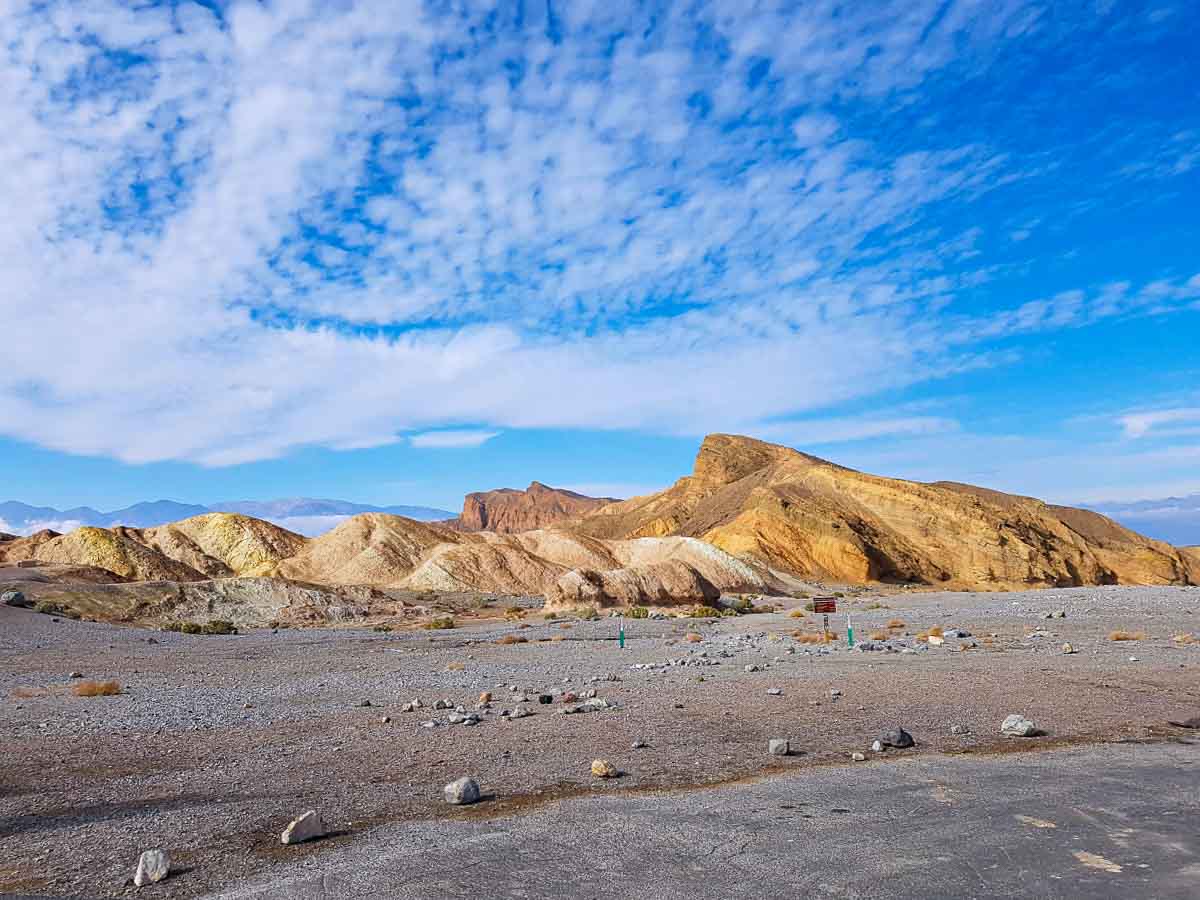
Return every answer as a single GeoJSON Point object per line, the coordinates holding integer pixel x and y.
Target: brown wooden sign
{"type": "Point", "coordinates": [825, 605]}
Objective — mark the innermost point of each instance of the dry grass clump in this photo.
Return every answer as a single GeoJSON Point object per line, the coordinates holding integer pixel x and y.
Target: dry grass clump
{"type": "Point", "coordinates": [880, 635]}
{"type": "Point", "coordinates": [813, 637]}
{"type": "Point", "coordinates": [895, 624]}
{"type": "Point", "coordinates": [798, 613]}
{"type": "Point", "coordinates": [23, 693]}
{"type": "Point", "coordinates": [1186, 638]}
{"type": "Point", "coordinates": [558, 637]}
{"type": "Point", "coordinates": [455, 667]}
{"type": "Point", "coordinates": [565, 625]}
{"type": "Point", "coordinates": [1126, 635]}
{"type": "Point", "coordinates": [936, 631]}
{"type": "Point", "coordinates": [515, 612]}
{"type": "Point", "coordinates": [692, 638]}
{"type": "Point", "coordinates": [513, 639]}
{"type": "Point", "coordinates": [97, 689]}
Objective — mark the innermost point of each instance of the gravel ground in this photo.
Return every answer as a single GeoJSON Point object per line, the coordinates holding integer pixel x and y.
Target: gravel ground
{"type": "Point", "coordinates": [217, 742]}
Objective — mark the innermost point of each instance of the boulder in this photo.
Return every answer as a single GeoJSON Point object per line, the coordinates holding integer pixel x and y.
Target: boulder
{"type": "Point", "coordinates": [779, 747]}
{"type": "Point", "coordinates": [897, 738]}
{"type": "Point", "coordinates": [17, 599]}
{"type": "Point", "coordinates": [1018, 726]}
{"type": "Point", "coordinates": [153, 867]}
{"type": "Point", "coordinates": [462, 791]}
{"type": "Point", "coordinates": [306, 827]}
{"type": "Point", "coordinates": [602, 768]}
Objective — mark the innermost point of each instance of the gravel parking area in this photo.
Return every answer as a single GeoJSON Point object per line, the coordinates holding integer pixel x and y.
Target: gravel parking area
{"type": "Point", "coordinates": [216, 742]}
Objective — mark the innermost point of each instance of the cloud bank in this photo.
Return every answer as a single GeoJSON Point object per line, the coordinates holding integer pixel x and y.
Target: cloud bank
{"type": "Point", "coordinates": [232, 233]}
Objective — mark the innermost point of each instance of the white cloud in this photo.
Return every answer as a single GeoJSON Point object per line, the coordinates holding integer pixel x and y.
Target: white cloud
{"type": "Point", "coordinates": [1179, 421]}
{"type": "Point", "coordinates": [452, 439]}
{"type": "Point", "coordinates": [310, 224]}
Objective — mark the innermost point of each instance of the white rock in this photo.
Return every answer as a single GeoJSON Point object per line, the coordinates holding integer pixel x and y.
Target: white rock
{"type": "Point", "coordinates": [775, 692]}
{"type": "Point", "coordinates": [857, 757]}
{"type": "Point", "coordinates": [463, 791]}
{"type": "Point", "coordinates": [934, 641]}
{"type": "Point", "coordinates": [1018, 726]}
{"type": "Point", "coordinates": [153, 867]}
{"type": "Point", "coordinates": [877, 747]}
{"type": "Point", "coordinates": [306, 827]}
{"type": "Point", "coordinates": [779, 747]}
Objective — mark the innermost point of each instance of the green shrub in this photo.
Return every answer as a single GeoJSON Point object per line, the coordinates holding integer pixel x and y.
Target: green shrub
{"type": "Point", "coordinates": [191, 628]}
{"type": "Point", "coordinates": [514, 612]}
{"type": "Point", "coordinates": [441, 623]}
{"type": "Point", "coordinates": [550, 616]}
{"type": "Point", "coordinates": [53, 609]}
{"type": "Point", "coordinates": [808, 607]}
{"type": "Point", "coordinates": [588, 613]}
{"type": "Point", "coordinates": [729, 612]}
{"type": "Point", "coordinates": [637, 612]}
{"type": "Point", "coordinates": [382, 628]}
{"type": "Point", "coordinates": [705, 612]}
{"type": "Point", "coordinates": [219, 626]}
{"type": "Point", "coordinates": [838, 594]}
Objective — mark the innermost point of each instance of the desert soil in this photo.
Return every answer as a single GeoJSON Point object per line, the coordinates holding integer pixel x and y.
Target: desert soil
{"type": "Point", "coordinates": [215, 743]}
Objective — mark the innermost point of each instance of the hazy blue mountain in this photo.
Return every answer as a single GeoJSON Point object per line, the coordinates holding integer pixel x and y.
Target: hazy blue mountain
{"type": "Point", "coordinates": [1175, 520]}
{"type": "Point", "coordinates": [301, 514]}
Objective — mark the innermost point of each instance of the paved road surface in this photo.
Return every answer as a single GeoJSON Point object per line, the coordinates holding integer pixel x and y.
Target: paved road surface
{"type": "Point", "coordinates": [1119, 821]}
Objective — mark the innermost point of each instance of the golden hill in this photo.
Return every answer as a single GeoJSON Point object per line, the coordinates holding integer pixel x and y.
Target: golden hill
{"type": "Point", "coordinates": [117, 551]}
{"type": "Point", "coordinates": [813, 518]}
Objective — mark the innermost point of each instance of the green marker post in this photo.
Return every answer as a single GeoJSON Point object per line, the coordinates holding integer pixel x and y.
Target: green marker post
{"type": "Point", "coordinates": [621, 637]}
{"type": "Point", "coordinates": [849, 632]}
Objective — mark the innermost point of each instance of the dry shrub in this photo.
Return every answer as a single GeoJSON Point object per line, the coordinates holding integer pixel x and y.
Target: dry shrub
{"type": "Point", "coordinates": [879, 635]}
{"type": "Point", "coordinates": [22, 693]}
{"type": "Point", "coordinates": [808, 637]}
{"type": "Point", "coordinates": [896, 623]}
{"type": "Point", "coordinates": [559, 637]}
{"type": "Point", "coordinates": [1185, 639]}
{"type": "Point", "coordinates": [936, 631]}
{"type": "Point", "coordinates": [513, 639]}
{"type": "Point", "coordinates": [798, 613]}
{"type": "Point", "coordinates": [514, 612]}
{"type": "Point", "coordinates": [693, 638]}
{"type": "Point", "coordinates": [97, 689]}
{"type": "Point", "coordinates": [922, 635]}
{"type": "Point", "coordinates": [455, 667]}
{"type": "Point", "coordinates": [440, 624]}
{"type": "Point", "coordinates": [565, 625]}
{"type": "Point", "coordinates": [1126, 635]}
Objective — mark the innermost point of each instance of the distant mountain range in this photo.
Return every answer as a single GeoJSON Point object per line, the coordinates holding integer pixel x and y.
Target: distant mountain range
{"type": "Point", "coordinates": [1175, 520]}
{"type": "Point", "coordinates": [299, 514]}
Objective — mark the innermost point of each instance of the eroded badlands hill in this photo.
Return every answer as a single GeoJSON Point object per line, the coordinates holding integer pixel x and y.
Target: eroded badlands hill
{"type": "Point", "coordinates": [811, 517]}
{"type": "Point", "coordinates": [507, 511]}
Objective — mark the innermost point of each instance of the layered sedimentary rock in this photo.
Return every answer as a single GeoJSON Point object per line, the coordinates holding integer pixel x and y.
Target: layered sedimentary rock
{"type": "Point", "coordinates": [508, 511]}
{"type": "Point", "coordinates": [786, 509]}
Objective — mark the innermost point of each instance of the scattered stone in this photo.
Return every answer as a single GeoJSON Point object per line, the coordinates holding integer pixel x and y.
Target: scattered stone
{"type": "Point", "coordinates": [642, 745]}
{"type": "Point", "coordinates": [1018, 726]}
{"type": "Point", "coordinates": [775, 692]}
{"type": "Point", "coordinates": [753, 668]}
{"type": "Point", "coordinates": [463, 791]}
{"type": "Point", "coordinates": [153, 867]}
{"type": "Point", "coordinates": [935, 640]}
{"type": "Point", "coordinates": [858, 757]}
{"type": "Point", "coordinates": [464, 719]}
{"type": "Point", "coordinates": [959, 729]}
{"type": "Point", "coordinates": [545, 698]}
{"type": "Point", "coordinates": [1068, 649]}
{"type": "Point", "coordinates": [1134, 659]}
{"type": "Point", "coordinates": [779, 747]}
{"type": "Point", "coordinates": [385, 720]}
{"type": "Point", "coordinates": [17, 599]}
{"type": "Point", "coordinates": [1193, 722]}
{"type": "Point", "coordinates": [593, 705]}
{"type": "Point", "coordinates": [75, 675]}
{"type": "Point", "coordinates": [876, 747]}
{"type": "Point", "coordinates": [602, 768]}
{"type": "Point", "coordinates": [364, 703]}
{"type": "Point", "coordinates": [898, 739]}
{"type": "Point", "coordinates": [306, 827]}
{"type": "Point", "coordinates": [569, 697]}
{"type": "Point", "coordinates": [442, 704]}
{"type": "Point", "coordinates": [519, 712]}
{"type": "Point", "coordinates": [429, 724]}
{"type": "Point", "coordinates": [407, 707]}
{"type": "Point", "coordinates": [835, 693]}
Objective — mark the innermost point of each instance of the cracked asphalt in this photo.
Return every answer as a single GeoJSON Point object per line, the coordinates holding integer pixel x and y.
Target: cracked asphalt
{"type": "Point", "coordinates": [1119, 821]}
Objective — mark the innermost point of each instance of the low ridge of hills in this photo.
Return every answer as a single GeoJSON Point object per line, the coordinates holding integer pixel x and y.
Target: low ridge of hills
{"type": "Point", "coordinates": [509, 511]}
{"type": "Point", "coordinates": [752, 517]}
{"type": "Point", "coordinates": [303, 514]}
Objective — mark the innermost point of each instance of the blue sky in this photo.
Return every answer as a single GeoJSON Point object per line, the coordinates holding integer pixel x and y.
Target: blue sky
{"type": "Point", "coordinates": [395, 251]}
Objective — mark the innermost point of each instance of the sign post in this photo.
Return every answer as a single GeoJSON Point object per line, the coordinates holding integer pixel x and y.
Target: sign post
{"type": "Point", "coordinates": [825, 606]}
